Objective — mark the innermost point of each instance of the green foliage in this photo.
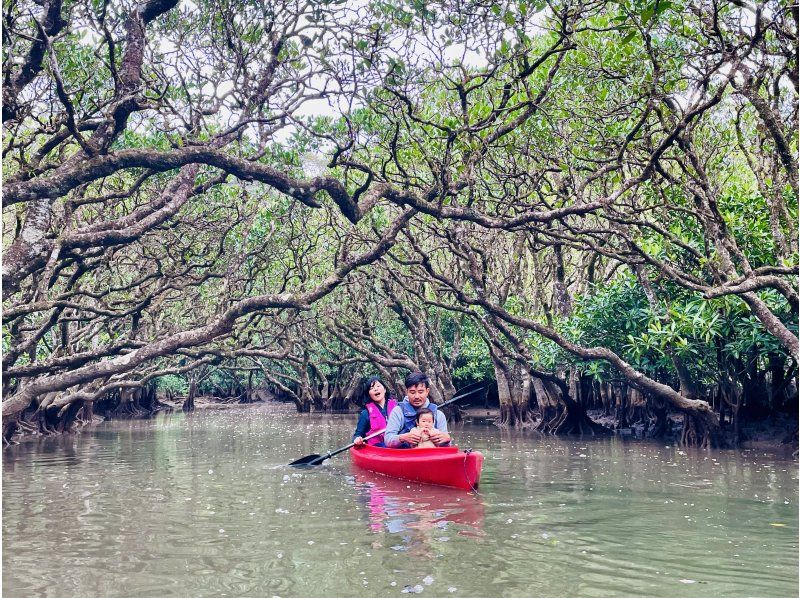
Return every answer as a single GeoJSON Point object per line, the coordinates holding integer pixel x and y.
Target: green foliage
{"type": "Point", "coordinates": [495, 137]}
{"type": "Point", "coordinates": [705, 334]}
{"type": "Point", "coordinates": [173, 384]}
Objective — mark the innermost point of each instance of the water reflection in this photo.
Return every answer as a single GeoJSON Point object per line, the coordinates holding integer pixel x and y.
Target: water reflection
{"type": "Point", "coordinates": [206, 506]}
{"type": "Point", "coordinates": [419, 515]}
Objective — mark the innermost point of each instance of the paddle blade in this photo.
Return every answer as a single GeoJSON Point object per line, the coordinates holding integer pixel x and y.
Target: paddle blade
{"type": "Point", "coordinates": [307, 460]}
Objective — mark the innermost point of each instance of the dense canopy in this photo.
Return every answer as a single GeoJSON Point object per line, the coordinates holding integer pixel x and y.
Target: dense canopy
{"type": "Point", "coordinates": [590, 203]}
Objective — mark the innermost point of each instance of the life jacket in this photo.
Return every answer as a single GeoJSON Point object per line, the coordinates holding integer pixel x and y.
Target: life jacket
{"type": "Point", "coordinates": [410, 415]}
{"type": "Point", "coordinates": [377, 421]}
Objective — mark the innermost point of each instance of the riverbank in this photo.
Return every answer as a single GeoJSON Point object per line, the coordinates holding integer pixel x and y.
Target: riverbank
{"type": "Point", "coordinates": [776, 433]}
{"type": "Point", "coordinates": [205, 403]}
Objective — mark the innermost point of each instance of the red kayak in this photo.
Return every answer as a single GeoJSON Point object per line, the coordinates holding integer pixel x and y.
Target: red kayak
{"type": "Point", "coordinates": [443, 466]}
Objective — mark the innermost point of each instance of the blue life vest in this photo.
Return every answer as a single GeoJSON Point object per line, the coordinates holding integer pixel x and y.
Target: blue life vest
{"type": "Point", "coordinates": [410, 415]}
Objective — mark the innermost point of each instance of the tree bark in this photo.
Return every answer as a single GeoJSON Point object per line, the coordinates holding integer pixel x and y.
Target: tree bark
{"type": "Point", "coordinates": [514, 393]}
{"type": "Point", "coordinates": [560, 413]}
{"type": "Point", "coordinates": [188, 404]}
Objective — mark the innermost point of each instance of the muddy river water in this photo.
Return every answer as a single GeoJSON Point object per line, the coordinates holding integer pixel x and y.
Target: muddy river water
{"type": "Point", "coordinates": [205, 506]}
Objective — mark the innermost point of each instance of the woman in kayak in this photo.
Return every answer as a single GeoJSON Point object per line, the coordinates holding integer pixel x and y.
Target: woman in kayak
{"type": "Point", "coordinates": [375, 412]}
{"type": "Point", "coordinates": [424, 428]}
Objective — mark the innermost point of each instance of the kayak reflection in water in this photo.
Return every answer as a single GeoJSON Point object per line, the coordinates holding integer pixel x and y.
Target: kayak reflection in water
{"type": "Point", "coordinates": [420, 514]}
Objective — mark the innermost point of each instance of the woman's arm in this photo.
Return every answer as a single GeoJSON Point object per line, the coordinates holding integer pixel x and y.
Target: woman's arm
{"type": "Point", "coordinates": [362, 427]}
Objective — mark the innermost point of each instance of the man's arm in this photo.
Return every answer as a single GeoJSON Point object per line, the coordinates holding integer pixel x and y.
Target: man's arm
{"type": "Point", "coordinates": [440, 437]}
{"type": "Point", "coordinates": [440, 423]}
{"type": "Point", "coordinates": [393, 426]}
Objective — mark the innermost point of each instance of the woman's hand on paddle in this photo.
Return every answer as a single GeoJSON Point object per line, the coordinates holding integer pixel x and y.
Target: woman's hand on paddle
{"type": "Point", "coordinates": [358, 441]}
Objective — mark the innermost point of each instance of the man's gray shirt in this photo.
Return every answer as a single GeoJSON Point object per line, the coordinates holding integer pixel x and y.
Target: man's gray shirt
{"type": "Point", "coordinates": [396, 422]}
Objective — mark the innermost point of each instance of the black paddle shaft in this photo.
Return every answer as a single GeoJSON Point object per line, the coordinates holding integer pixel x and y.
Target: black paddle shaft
{"type": "Point", "coordinates": [318, 459]}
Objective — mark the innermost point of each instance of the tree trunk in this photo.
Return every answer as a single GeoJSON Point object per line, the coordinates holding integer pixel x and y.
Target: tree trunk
{"type": "Point", "coordinates": [344, 395]}
{"type": "Point", "coordinates": [621, 404]}
{"type": "Point", "coordinates": [701, 429]}
{"type": "Point", "coordinates": [658, 418]}
{"type": "Point", "coordinates": [188, 404]}
{"type": "Point", "coordinates": [10, 428]}
{"type": "Point", "coordinates": [606, 398]}
{"type": "Point", "coordinates": [560, 413]}
{"type": "Point", "coordinates": [325, 393]}
{"type": "Point", "coordinates": [514, 393]}
{"type": "Point", "coordinates": [304, 402]}
{"type": "Point", "coordinates": [732, 394]}
{"type": "Point", "coordinates": [87, 412]}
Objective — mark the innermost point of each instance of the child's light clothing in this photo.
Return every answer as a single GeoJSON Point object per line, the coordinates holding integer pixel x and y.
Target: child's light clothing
{"type": "Point", "coordinates": [425, 440]}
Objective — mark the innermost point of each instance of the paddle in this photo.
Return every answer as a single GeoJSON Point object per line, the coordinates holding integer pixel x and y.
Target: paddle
{"type": "Point", "coordinates": [317, 459]}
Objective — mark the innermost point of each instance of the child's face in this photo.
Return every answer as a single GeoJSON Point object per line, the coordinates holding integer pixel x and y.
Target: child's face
{"type": "Point", "coordinates": [425, 421]}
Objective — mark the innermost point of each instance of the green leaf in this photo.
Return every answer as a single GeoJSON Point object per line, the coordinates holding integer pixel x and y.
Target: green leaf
{"type": "Point", "coordinates": [663, 6]}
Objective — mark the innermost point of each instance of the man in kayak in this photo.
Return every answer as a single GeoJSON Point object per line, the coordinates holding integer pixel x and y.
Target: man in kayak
{"type": "Point", "coordinates": [399, 427]}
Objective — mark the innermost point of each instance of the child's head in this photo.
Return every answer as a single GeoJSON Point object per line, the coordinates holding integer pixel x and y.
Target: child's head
{"type": "Point", "coordinates": [425, 418]}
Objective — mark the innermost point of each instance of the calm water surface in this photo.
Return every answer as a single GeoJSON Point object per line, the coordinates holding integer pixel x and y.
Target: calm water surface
{"type": "Point", "coordinates": [204, 506]}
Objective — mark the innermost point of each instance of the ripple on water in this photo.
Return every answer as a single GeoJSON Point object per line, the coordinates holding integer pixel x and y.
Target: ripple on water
{"type": "Point", "coordinates": [204, 506]}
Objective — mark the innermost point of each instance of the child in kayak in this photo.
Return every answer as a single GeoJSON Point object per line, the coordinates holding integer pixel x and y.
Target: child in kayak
{"type": "Point", "coordinates": [423, 428]}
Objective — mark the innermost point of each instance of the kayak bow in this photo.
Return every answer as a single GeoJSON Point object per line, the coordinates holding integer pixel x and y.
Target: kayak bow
{"type": "Point", "coordinates": [443, 466]}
